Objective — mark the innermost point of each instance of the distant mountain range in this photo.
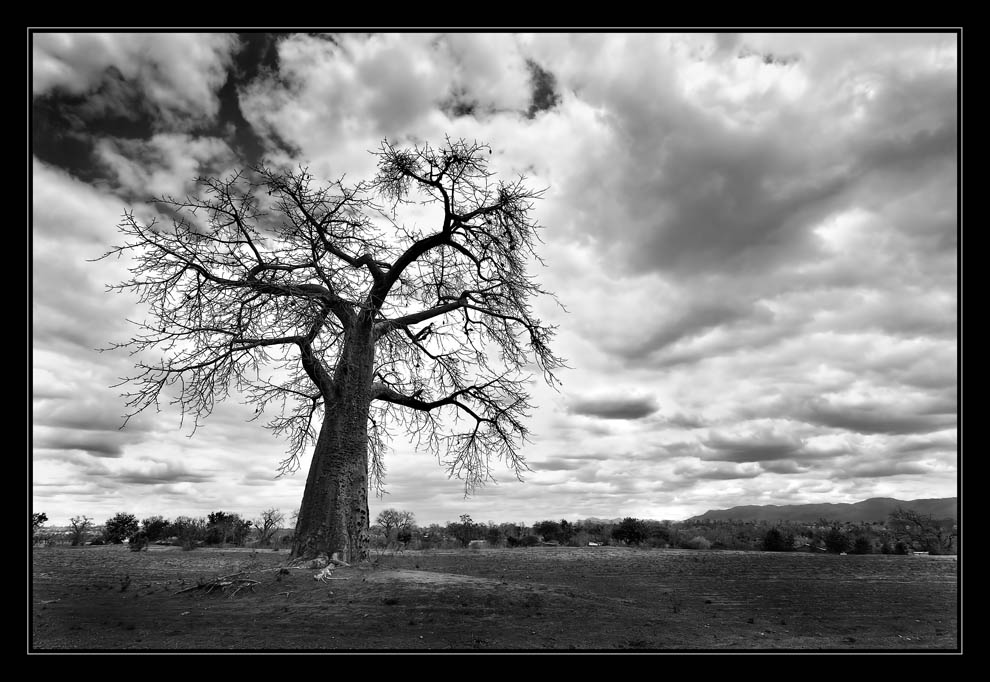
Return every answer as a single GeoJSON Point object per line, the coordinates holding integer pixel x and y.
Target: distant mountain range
{"type": "Point", "coordinates": [873, 509]}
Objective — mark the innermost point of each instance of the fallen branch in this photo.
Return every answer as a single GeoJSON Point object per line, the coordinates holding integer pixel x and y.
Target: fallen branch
{"type": "Point", "coordinates": [235, 583]}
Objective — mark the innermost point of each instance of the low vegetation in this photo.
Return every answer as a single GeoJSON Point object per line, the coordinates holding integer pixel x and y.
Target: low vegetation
{"type": "Point", "coordinates": [904, 532]}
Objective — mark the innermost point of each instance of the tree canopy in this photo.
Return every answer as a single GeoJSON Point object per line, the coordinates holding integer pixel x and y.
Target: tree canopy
{"type": "Point", "coordinates": [331, 312]}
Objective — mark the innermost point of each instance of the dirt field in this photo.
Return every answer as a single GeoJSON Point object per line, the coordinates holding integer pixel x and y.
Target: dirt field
{"type": "Point", "coordinates": [545, 598]}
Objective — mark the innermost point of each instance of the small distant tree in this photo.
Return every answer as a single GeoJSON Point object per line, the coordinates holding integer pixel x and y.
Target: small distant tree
{"type": "Point", "coordinates": [223, 528]}
{"type": "Point", "coordinates": [922, 531]}
{"type": "Point", "coordinates": [189, 532]}
{"type": "Point", "coordinates": [837, 541]}
{"type": "Point", "coordinates": [37, 521]}
{"type": "Point", "coordinates": [657, 534]}
{"type": "Point", "coordinates": [269, 524]}
{"type": "Point", "coordinates": [391, 520]}
{"type": "Point", "coordinates": [548, 530]}
{"type": "Point", "coordinates": [493, 534]}
{"type": "Point", "coordinates": [697, 542]}
{"type": "Point", "coordinates": [432, 536]}
{"type": "Point", "coordinates": [120, 527]}
{"type": "Point", "coordinates": [777, 540]}
{"type": "Point", "coordinates": [630, 531]}
{"type": "Point", "coordinates": [862, 545]}
{"type": "Point", "coordinates": [155, 528]}
{"type": "Point", "coordinates": [80, 528]}
{"type": "Point", "coordinates": [528, 541]}
{"type": "Point", "coordinates": [465, 531]}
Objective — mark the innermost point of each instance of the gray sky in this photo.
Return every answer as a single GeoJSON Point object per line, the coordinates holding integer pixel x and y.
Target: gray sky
{"type": "Point", "coordinates": [755, 237]}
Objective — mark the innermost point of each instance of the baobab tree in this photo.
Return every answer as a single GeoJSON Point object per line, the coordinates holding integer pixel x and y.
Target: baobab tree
{"type": "Point", "coordinates": [321, 304]}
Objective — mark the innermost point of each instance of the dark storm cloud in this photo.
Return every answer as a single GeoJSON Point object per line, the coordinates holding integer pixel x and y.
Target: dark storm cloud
{"type": "Point", "coordinates": [877, 417]}
{"type": "Point", "coordinates": [544, 96]}
{"type": "Point", "coordinates": [91, 85]}
{"type": "Point", "coordinates": [707, 180]}
{"type": "Point", "coordinates": [98, 444]}
{"type": "Point", "coordinates": [617, 407]}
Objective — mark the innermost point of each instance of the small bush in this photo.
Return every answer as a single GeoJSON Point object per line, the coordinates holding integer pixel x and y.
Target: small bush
{"type": "Point", "coordinates": [190, 533]}
{"type": "Point", "coordinates": [529, 541]}
{"type": "Point", "coordinates": [862, 545]}
{"type": "Point", "coordinates": [836, 541]}
{"type": "Point", "coordinates": [138, 541]}
{"type": "Point", "coordinates": [777, 541]}
{"type": "Point", "coordinates": [697, 542]}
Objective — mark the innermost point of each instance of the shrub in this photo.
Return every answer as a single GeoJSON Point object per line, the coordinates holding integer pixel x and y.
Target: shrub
{"type": "Point", "coordinates": [836, 541]}
{"type": "Point", "coordinates": [156, 528]}
{"type": "Point", "coordinates": [862, 545]}
{"type": "Point", "coordinates": [223, 527]}
{"type": "Point", "coordinates": [189, 532]}
{"type": "Point", "coordinates": [138, 541]}
{"type": "Point", "coordinates": [697, 542]}
{"type": "Point", "coordinates": [529, 541]}
{"type": "Point", "coordinates": [777, 540]}
{"type": "Point", "coordinates": [901, 547]}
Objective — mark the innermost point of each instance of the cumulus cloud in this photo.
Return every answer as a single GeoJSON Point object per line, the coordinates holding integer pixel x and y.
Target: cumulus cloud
{"type": "Point", "coordinates": [165, 164]}
{"type": "Point", "coordinates": [756, 232]}
{"type": "Point", "coordinates": [172, 76]}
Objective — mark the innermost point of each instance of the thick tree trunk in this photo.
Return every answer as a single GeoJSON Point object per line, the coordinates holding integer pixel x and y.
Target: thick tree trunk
{"type": "Point", "coordinates": [333, 517]}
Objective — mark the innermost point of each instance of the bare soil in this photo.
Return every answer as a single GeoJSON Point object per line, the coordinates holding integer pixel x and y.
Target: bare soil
{"type": "Point", "coordinates": [535, 599]}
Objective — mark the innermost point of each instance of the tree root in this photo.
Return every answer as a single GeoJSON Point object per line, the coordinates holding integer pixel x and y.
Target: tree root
{"type": "Point", "coordinates": [319, 562]}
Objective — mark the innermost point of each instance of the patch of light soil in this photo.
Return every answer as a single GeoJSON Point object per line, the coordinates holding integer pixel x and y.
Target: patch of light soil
{"type": "Point", "coordinates": [426, 577]}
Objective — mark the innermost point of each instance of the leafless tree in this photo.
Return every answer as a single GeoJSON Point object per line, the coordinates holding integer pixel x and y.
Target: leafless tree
{"type": "Point", "coordinates": [325, 306]}
{"type": "Point", "coordinates": [393, 519]}
{"type": "Point", "coordinates": [81, 526]}
{"type": "Point", "coordinates": [269, 524]}
{"type": "Point", "coordinates": [922, 531]}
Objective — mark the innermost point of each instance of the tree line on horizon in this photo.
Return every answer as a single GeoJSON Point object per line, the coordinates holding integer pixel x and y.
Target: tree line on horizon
{"type": "Point", "coordinates": [904, 531]}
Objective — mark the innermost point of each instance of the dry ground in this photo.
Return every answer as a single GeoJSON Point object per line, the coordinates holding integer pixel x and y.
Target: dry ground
{"type": "Point", "coordinates": [537, 599]}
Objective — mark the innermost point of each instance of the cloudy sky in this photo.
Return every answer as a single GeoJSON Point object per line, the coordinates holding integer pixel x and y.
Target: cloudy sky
{"type": "Point", "coordinates": [755, 237]}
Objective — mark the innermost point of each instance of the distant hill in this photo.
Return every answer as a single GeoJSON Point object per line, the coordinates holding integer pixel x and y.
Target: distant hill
{"type": "Point", "coordinates": [873, 509]}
